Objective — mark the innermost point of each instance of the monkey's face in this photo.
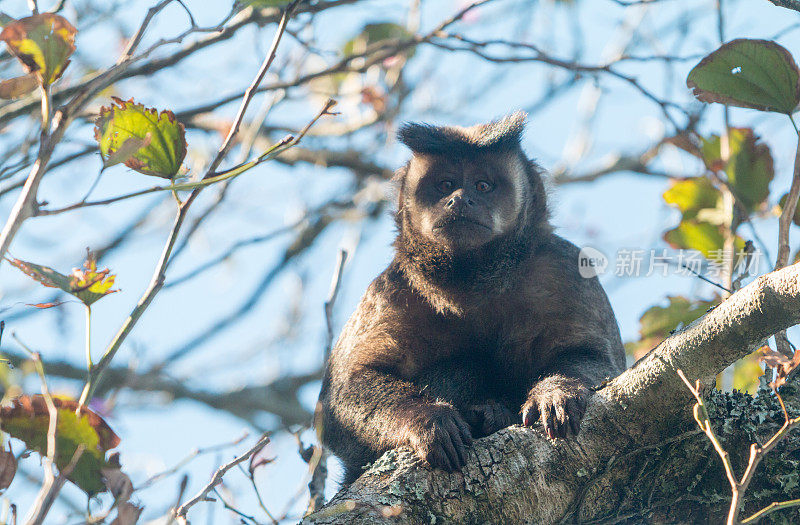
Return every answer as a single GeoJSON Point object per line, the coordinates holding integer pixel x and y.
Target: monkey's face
{"type": "Point", "coordinates": [463, 203]}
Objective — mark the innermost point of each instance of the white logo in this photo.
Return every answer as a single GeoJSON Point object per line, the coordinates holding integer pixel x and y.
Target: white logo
{"type": "Point", "coordinates": [591, 262]}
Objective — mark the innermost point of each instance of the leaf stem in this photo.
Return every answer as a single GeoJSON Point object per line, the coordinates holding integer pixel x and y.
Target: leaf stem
{"type": "Point", "coordinates": [46, 111]}
{"type": "Point", "coordinates": [791, 118]}
{"type": "Point", "coordinates": [89, 337]}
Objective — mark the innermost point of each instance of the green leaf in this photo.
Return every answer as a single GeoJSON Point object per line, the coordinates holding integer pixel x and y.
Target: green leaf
{"type": "Point", "coordinates": [373, 33]}
{"type": "Point", "coordinates": [749, 169]}
{"type": "Point", "coordinates": [43, 43]}
{"type": "Point", "coordinates": [702, 236]}
{"type": "Point", "coordinates": [758, 74]}
{"type": "Point", "coordinates": [746, 372]}
{"type": "Point", "coordinates": [692, 195]}
{"type": "Point", "coordinates": [657, 322]}
{"type": "Point", "coordinates": [28, 419]}
{"type": "Point", "coordinates": [86, 283]}
{"type": "Point", "coordinates": [153, 143]}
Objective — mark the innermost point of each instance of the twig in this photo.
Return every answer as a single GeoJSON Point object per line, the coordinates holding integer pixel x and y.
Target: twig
{"type": "Point", "coordinates": [787, 214]}
{"type": "Point", "coordinates": [51, 487]}
{"type": "Point", "coordinates": [251, 90]}
{"type": "Point", "coordinates": [136, 38]}
{"type": "Point", "coordinates": [757, 453]}
{"type": "Point", "coordinates": [336, 282]}
{"type": "Point", "coordinates": [192, 455]}
{"type": "Point", "coordinates": [216, 479]}
{"type": "Point", "coordinates": [317, 464]}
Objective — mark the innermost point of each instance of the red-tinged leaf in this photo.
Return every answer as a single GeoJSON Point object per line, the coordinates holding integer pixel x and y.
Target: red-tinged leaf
{"type": "Point", "coordinates": [43, 43]}
{"type": "Point", "coordinates": [28, 419]}
{"type": "Point", "coordinates": [86, 283]}
{"type": "Point", "coordinates": [45, 305]}
{"type": "Point", "coordinates": [8, 468]}
{"type": "Point", "coordinates": [163, 141]}
{"type": "Point", "coordinates": [758, 74]}
{"type": "Point", "coordinates": [16, 87]}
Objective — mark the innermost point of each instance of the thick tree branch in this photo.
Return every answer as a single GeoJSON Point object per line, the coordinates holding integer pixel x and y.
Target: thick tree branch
{"type": "Point", "coordinates": [518, 475]}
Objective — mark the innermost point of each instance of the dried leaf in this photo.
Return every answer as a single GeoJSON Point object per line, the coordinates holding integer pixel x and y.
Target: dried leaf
{"type": "Point", "coordinates": [43, 43]}
{"type": "Point", "coordinates": [8, 468]}
{"type": "Point", "coordinates": [16, 87]}
{"type": "Point", "coordinates": [782, 364]}
{"type": "Point", "coordinates": [118, 483]}
{"type": "Point", "coordinates": [127, 514]}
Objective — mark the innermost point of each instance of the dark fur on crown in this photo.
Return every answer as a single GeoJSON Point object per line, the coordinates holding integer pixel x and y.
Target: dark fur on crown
{"type": "Point", "coordinates": [498, 135]}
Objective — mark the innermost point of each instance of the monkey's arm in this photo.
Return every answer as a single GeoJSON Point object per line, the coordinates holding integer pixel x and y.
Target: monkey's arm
{"type": "Point", "coordinates": [369, 411]}
{"type": "Point", "coordinates": [368, 403]}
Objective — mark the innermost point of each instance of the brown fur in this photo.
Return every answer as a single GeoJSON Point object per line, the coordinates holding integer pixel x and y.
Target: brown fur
{"type": "Point", "coordinates": [482, 314]}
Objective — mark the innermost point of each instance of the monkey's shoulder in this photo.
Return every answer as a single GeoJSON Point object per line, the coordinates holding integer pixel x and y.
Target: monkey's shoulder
{"type": "Point", "coordinates": [390, 324]}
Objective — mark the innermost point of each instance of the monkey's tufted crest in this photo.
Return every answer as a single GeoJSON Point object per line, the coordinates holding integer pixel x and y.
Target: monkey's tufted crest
{"type": "Point", "coordinates": [499, 134]}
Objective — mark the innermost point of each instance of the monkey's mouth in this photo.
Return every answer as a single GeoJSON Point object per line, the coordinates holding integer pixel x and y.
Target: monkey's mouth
{"type": "Point", "coordinates": [457, 220]}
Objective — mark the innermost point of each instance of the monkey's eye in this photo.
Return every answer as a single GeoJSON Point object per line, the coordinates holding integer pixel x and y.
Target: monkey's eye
{"type": "Point", "coordinates": [483, 186]}
{"type": "Point", "coordinates": [445, 186]}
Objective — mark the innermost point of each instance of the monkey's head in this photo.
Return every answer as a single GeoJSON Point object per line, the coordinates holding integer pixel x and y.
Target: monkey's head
{"type": "Point", "coordinates": [467, 190]}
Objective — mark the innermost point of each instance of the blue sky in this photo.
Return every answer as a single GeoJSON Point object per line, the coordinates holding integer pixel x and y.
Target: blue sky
{"type": "Point", "coordinates": [620, 211]}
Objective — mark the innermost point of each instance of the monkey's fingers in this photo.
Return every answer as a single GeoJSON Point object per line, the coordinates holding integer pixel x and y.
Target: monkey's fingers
{"type": "Point", "coordinates": [447, 440]}
{"type": "Point", "coordinates": [461, 440]}
{"type": "Point", "coordinates": [437, 457]}
{"type": "Point", "coordinates": [465, 432]}
{"type": "Point", "coordinates": [548, 418]}
{"type": "Point", "coordinates": [498, 417]}
{"type": "Point", "coordinates": [561, 420]}
{"type": "Point", "coordinates": [530, 415]}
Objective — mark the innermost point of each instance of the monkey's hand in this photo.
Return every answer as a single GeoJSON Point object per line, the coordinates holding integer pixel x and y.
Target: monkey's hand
{"type": "Point", "coordinates": [441, 436]}
{"type": "Point", "coordinates": [559, 403]}
{"type": "Point", "coordinates": [488, 418]}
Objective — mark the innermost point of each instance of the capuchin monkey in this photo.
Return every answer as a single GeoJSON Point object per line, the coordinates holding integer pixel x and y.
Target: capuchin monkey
{"type": "Point", "coordinates": [482, 320]}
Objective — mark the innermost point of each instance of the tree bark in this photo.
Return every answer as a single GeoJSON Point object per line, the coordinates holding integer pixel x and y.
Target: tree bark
{"type": "Point", "coordinates": [639, 455]}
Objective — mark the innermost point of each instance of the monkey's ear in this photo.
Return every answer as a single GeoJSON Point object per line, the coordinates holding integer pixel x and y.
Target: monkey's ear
{"type": "Point", "coordinates": [399, 183]}
{"type": "Point", "coordinates": [437, 140]}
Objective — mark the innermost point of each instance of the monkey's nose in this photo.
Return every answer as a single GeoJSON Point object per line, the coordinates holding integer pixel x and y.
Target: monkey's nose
{"type": "Point", "coordinates": [458, 201]}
